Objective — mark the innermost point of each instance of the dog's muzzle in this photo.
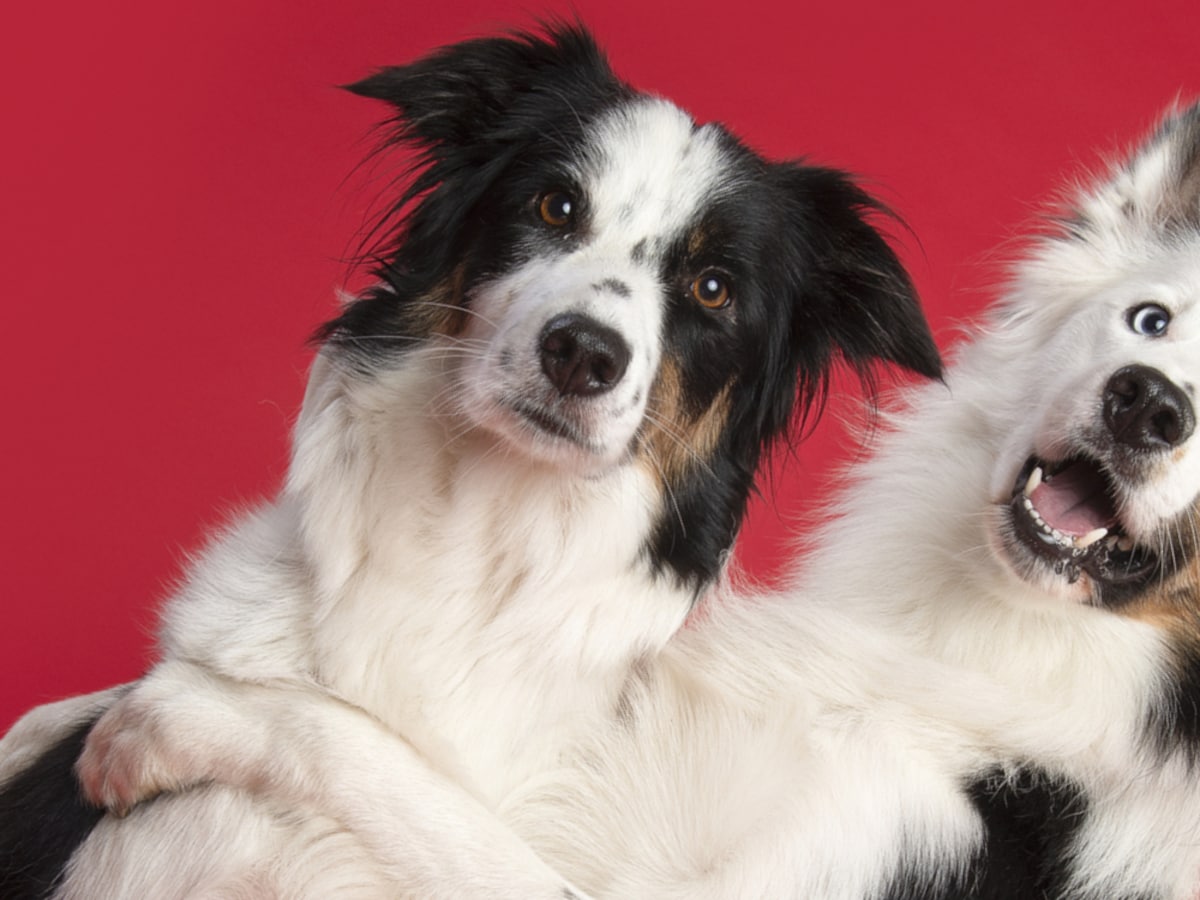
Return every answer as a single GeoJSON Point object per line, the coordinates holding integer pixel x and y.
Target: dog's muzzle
{"type": "Point", "coordinates": [1065, 511]}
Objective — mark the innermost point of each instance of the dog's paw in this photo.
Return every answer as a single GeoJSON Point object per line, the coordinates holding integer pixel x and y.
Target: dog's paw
{"type": "Point", "coordinates": [127, 758]}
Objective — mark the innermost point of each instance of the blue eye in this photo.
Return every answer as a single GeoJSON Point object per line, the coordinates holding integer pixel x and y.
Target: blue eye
{"type": "Point", "coordinates": [1149, 319]}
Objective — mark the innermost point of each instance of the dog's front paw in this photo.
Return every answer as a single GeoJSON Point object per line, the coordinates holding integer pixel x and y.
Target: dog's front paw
{"type": "Point", "coordinates": [127, 758]}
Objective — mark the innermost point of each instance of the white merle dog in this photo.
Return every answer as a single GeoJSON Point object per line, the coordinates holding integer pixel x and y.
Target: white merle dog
{"type": "Point", "coordinates": [986, 683]}
{"type": "Point", "coordinates": [522, 458]}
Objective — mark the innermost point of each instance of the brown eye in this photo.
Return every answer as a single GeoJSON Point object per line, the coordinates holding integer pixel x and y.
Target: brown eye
{"type": "Point", "coordinates": [711, 291]}
{"type": "Point", "coordinates": [556, 208]}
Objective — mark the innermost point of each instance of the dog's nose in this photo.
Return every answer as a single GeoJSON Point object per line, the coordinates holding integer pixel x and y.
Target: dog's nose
{"type": "Point", "coordinates": [580, 356]}
{"type": "Point", "coordinates": [1145, 410]}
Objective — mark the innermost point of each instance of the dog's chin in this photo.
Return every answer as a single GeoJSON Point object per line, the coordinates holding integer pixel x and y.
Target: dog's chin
{"type": "Point", "coordinates": [1061, 533]}
{"type": "Point", "coordinates": [551, 437]}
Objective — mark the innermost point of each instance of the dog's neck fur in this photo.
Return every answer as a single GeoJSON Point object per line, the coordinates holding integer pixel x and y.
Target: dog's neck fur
{"type": "Point", "coordinates": [464, 595]}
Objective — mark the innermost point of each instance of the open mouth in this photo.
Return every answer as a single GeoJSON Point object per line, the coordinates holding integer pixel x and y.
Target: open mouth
{"type": "Point", "coordinates": [1066, 513]}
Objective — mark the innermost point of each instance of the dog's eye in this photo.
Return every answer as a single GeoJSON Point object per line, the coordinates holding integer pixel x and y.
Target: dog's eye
{"type": "Point", "coordinates": [1149, 319]}
{"type": "Point", "coordinates": [711, 290]}
{"type": "Point", "coordinates": [556, 208]}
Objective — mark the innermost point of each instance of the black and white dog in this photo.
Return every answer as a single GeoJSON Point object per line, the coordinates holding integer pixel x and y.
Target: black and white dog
{"type": "Point", "coordinates": [523, 456]}
{"type": "Point", "coordinates": [986, 683]}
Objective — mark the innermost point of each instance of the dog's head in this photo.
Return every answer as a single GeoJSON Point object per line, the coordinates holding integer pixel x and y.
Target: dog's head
{"type": "Point", "coordinates": [1099, 486]}
{"type": "Point", "coordinates": [608, 283]}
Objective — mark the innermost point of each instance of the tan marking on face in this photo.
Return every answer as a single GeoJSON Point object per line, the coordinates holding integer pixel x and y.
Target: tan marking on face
{"type": "Point", "coordinates": [441, 311]}
{"type": "Point", "coordinates": [673, 440]}
{"type": "Point", "coordinates": [1173, 603]}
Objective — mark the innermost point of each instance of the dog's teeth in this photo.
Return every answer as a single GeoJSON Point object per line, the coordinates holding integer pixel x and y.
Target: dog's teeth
{"type": "Point", "coordinates": [1035, 478]}
{"type": "Point", "coordinates": [1085, 541]}
{"type": "Point", "coordinates": [1124, 543]}
{"type": "Point", "coordinates": [1111, 543]}
{"type": "Point", "coordinates": [1028, 504]}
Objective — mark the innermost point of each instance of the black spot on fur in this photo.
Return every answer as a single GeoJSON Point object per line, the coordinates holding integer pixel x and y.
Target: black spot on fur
{"type": "Point", "coordinates": [1173, 721]}
{"type": "Point", "coordinates": [43, 818]}
{"type": "Point", "coordinates": [613, 286]}
{"type": "Point", "coordinates": [1031, 821]}
{"type": "Point", "coordinates": [638, 253]}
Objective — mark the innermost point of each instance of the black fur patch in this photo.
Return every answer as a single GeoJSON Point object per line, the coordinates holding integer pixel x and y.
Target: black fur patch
{"type": "Point", "coordinates": [43, 819]}
{"type": "Point", "coordinates": [493, 122]}
{"type": "Point", "coordinates": [813, 282]}
{"type": "Point", "coordinates": [613, 286]}
{"type": "Point", "coordinates": [1173, 722]}
{"type": "Point", "coordinates": [1031, 821]}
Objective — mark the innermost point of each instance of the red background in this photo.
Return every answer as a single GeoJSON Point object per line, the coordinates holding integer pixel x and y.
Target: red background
{"type": "Point", "coordinates": [177, 186]}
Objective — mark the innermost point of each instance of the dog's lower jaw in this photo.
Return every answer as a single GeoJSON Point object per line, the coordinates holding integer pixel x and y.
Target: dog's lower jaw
{"type": "Point", "coordinates": [564, 446]}
{"type": "Point", "coordinates": [1032, 580]}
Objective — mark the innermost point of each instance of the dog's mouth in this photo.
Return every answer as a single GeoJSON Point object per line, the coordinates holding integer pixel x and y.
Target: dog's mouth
{"type": "Point", "coordinates": [550, 424]}
{"type": "Point", "coordinates": [1066, 513]}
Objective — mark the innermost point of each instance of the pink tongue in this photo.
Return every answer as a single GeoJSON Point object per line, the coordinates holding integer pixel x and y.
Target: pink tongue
{"type": "Point", "coordinates": [1074, 501]}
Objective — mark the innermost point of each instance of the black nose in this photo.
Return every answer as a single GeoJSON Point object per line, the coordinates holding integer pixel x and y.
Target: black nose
{"type": "Point", "coordinates": [580, 356]}
{"type": "Point", "coordinates": [1145, 410]}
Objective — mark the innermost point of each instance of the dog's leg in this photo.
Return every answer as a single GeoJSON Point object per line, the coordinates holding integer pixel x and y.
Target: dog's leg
{"type": "Point", "coordinates": [182, 726]}
{"type": "Point", "coordinates": [43, 725]}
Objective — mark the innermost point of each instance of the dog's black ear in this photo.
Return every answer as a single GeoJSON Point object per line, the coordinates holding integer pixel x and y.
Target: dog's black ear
{"type": "Point", "coordinates": [859, 298]}
{"type": "Point", "coordinates": [459, 95]}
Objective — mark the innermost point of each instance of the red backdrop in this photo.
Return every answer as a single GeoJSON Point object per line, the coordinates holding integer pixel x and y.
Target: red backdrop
{"type": "Point", "coordinates": [176, 201]}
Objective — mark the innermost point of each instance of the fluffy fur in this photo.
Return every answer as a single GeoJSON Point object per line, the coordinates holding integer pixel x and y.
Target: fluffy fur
{"type": "Point", "coordinates": [523, 456]}
{"type": "Point", "coordinates": [958, 699]}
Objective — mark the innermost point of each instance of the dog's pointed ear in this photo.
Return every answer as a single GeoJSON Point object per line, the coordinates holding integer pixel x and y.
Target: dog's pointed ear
{"type": "Point", "coordinates": [860, 295]}
{"type": "Point", "coordinates": [1157, 188]}
{"type": "Point", "coordinates": [459, 94]}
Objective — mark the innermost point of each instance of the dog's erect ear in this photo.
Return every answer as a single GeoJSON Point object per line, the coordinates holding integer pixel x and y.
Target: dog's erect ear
{"type": "Point", "coordinates": [859, 298]}
{"type": "Point", "coordinates": [1158, 188]}
{"type": "Point", "coordinates": [460, 94]}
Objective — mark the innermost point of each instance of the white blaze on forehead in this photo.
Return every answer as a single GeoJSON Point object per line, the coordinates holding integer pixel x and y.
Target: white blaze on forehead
{"type": "Point", "coordinates": [648, 170]}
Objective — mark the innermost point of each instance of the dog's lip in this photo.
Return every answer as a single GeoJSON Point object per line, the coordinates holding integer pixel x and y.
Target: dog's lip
{"type": "Point", "coordinates": [1075, 524]}
{"type": "Point", "coordinates": [547, 422]}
